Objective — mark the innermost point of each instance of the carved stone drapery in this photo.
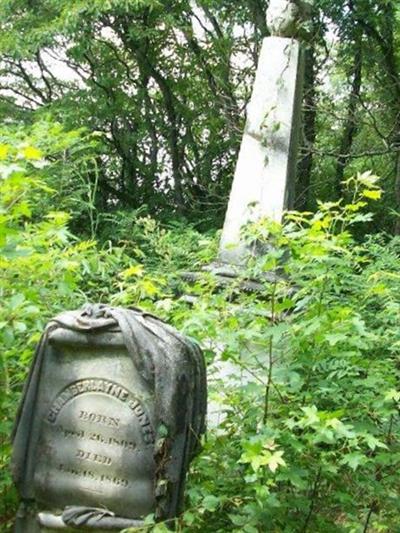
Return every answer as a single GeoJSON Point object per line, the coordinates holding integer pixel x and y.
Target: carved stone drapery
{"type": "Point", "coordinates": [287, 18]}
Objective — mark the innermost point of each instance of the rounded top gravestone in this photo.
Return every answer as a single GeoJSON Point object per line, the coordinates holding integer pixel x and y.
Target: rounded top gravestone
{"type": "Point", "coordinates": [111, 416]}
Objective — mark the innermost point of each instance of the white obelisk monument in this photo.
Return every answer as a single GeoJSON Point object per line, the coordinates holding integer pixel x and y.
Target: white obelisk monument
{"type": "Point", "coordinates": [263, 184]}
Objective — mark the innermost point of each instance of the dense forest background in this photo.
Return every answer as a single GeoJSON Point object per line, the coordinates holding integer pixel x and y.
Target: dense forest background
{"type": "Point", "coordinates": [121, 122]}
{"type": "Point", "coordinates": [164, 87]}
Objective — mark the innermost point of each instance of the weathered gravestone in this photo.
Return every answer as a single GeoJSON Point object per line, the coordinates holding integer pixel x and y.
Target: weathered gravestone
{"type": "Point", "coordinates": [111, 416]}
{"type": "Point", "coordinates": [263, 185]}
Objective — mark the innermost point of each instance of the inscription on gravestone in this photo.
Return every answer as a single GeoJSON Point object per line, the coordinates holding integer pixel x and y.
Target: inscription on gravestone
{"type": "Point", "coordinates": [96, 433]}
{"type": "Point", "coordinates": [111, 416]}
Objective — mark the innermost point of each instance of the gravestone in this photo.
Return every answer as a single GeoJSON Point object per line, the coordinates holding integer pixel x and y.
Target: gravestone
{"type": "Point", "coordinates": [111, 416]}
{"type": "Point", "coordinates": [263, 185]}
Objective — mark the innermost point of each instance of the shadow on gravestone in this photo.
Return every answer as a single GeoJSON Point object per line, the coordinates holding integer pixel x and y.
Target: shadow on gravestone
{"type": "Point", "coordinates": [264, 181]}
{"type": "Point", "coordinates": [111, 416]}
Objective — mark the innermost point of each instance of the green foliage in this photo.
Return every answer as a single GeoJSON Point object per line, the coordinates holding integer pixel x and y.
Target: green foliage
{"type": "Point", "coordinates": [308, 430]}
{"type": "Point", "coordinates": [43, 269]}
{"type": "Point", "coordinates": [309, 439]}
{"type": "Point", "coordinates": [67, 162]}
{"type": "Point", "coordinates": [133, 109]}
{"type": "Point", "coordinates": [143, 73]}
{"type": "Point", "coordinates": [167, 83]}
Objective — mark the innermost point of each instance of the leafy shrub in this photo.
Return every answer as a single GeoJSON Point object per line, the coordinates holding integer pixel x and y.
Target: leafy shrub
{"type": "Point", "coordinates": [310, 435]}
{"type": "Point", "coordinates": [67, 162]}
{"type": "Point", "coordinates": [43, 269]}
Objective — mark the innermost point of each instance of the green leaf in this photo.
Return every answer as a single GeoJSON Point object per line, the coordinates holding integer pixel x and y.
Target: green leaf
{"type": "Point", "coordinates": [211, 503]}
{"type": "Point", "coordinates": [372, 194]}
{"type": "Point", "coordinates": [30, 152]}
{"type": "Point", "coordinates": [354, 460]}
{"type": "Point", "coordinates": [373, 442]}
{"type": "Point", "coordinates": [311, 416]}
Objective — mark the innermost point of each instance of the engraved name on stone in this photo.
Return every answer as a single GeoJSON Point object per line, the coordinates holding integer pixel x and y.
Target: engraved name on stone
{"type": "Point", "coordinates": [109, 388]}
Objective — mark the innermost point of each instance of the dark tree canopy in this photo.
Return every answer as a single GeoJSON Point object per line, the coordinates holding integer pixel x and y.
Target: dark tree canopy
{"type": "Point", "coordinates": [166, 85]}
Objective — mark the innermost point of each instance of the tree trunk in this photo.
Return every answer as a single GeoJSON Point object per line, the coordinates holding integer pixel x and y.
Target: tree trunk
{"type": "Point", "coordinates": [309, 132]}
{"type": "Point", "coordinates": [140, 51]}
{"type": "Point", "coordinates": [386, 43]}
{"type": "Point", "coordinates": [350, 127]}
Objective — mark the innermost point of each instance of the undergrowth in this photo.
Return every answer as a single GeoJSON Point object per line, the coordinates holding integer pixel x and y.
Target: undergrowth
{"type": "Point", "coordinates": [307, 436]}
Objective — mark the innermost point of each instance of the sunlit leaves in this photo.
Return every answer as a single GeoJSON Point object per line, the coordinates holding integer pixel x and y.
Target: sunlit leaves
{"type": "Point", "coordinates": [132, 271]}
{"type": "Point", "coordinates": [4, 150]}
{"type": "Point", "coordinates": [31, 152]}
{"type": "Point", "coordinates": [333, 410]}
{"type": "Point", "coordinates": [372, 195]}
{"type": "Point", "coordinates": [262, 454]}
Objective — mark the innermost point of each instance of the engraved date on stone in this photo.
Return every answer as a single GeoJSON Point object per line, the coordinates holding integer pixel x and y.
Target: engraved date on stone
{"type": "Point", "coordinates": [113, 441]}
{"type": "Point", "coordinates": [93, 436]}
{"type": "Point", "coordinates": [88, 474]}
